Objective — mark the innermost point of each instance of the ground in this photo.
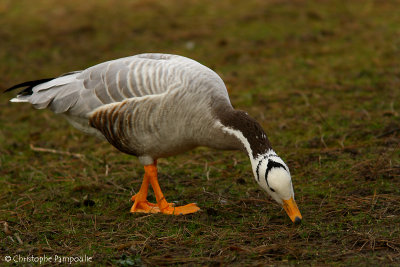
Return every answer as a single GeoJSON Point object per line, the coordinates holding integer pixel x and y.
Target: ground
{"type": "Point", "coordinates": [322, 78]}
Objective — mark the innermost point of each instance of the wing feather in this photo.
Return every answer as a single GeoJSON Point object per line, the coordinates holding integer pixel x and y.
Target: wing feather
{"type": "Point", "coordinates": [79, 93]}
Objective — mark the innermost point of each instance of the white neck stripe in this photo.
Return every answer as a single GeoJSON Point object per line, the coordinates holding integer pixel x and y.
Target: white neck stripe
{"type": "Point", "coordinates": [240, 136]}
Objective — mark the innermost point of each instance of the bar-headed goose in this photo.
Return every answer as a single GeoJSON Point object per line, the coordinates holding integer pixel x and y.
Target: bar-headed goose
{"type": "Point", "coordinates": [158, 105]}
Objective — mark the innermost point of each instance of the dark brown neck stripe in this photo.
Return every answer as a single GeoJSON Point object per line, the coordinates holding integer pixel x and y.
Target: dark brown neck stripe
{"type": "Point", "coordinates": [249, 127]}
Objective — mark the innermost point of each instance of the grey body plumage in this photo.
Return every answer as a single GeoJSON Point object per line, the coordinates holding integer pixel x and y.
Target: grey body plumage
{"type": "Point", "coordinates": [158, 105]}
{"type": "Point", "coordinates": [148, 105]}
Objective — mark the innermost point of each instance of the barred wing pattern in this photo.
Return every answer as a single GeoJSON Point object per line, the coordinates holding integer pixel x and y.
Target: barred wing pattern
{"type": "Point", "coordinates": [140, 104]}
{"type": "Point", "coordinates": [80, 92]}
{"type": "Point", "coordinates": [121, 79]}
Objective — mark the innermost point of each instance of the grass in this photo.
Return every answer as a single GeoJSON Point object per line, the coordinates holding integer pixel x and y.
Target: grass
{"type": "Point", "coordinates": [322, 79]}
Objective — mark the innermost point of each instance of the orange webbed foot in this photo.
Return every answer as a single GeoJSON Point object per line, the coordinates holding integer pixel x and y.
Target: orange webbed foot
{"type": "Point", "coordinates": [180, 210]}
{"type": "Point", "coordinates": [143, 206]}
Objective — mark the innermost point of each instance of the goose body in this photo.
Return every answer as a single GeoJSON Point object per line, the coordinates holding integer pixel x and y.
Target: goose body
{"type": "Point", "coordinates": [158, 105]}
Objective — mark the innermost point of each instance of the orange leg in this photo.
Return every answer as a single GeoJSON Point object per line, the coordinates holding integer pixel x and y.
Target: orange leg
{"type": "Point", "coordinates": [140, 199]}
{"type": "Point", "coordinates": [142, 205]}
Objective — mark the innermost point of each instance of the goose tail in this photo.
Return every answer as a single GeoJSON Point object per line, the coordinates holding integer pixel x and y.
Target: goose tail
{"type": "Point", "coordinates": [24, 94]}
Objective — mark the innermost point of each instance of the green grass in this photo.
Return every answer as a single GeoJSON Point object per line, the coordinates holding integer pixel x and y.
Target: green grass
{"type": "Point", "coordinates": [322, 79]}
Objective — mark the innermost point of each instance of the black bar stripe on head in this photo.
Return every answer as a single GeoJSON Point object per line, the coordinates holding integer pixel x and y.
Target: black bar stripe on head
{"type": "Point", "coordinates": [272, 164]}
{"type": "Point", "coordinates": [258, 167]}
{"type": "Point", "coordinates": [259, 163]}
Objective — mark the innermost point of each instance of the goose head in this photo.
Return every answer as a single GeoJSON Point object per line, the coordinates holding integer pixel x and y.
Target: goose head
{"type": "Point", "coordinates": [270, 172]}
{"type": "Point", "coordinates": [273, 175]}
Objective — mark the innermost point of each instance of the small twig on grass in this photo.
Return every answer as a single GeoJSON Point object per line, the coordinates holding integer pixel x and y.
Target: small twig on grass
{"type": "Point", "coordinates": [116, 185]}
{"type": "Point", "coordinates": [18, 239]}
{"type": "Point", "coordinates": [49, 150]}
{"type": "Point", "coordinates": [7, 229]}
{"type": "Point", "coordinates": [47, 241]}
{"type": "Point", "coordinates": [388, 133]}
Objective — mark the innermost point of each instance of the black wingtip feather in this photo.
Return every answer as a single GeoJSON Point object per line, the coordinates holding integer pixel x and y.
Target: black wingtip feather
{"type": "Point", "coordinates": [29, 85]}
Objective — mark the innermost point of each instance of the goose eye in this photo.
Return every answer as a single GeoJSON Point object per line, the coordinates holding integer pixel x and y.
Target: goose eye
{"type": "Point", "coordinates": [272, 189]}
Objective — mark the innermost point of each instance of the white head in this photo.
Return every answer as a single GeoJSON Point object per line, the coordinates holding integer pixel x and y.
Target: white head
{"type": "Point", "coordinates": [272, 174]}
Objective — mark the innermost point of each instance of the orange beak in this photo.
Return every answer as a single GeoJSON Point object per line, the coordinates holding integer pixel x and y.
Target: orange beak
{"type": "Point", "coordinates": [292, 210]}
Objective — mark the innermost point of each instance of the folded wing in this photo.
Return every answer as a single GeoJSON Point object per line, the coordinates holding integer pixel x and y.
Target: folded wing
{"type": "Point", "coordinates": [79, 93]}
